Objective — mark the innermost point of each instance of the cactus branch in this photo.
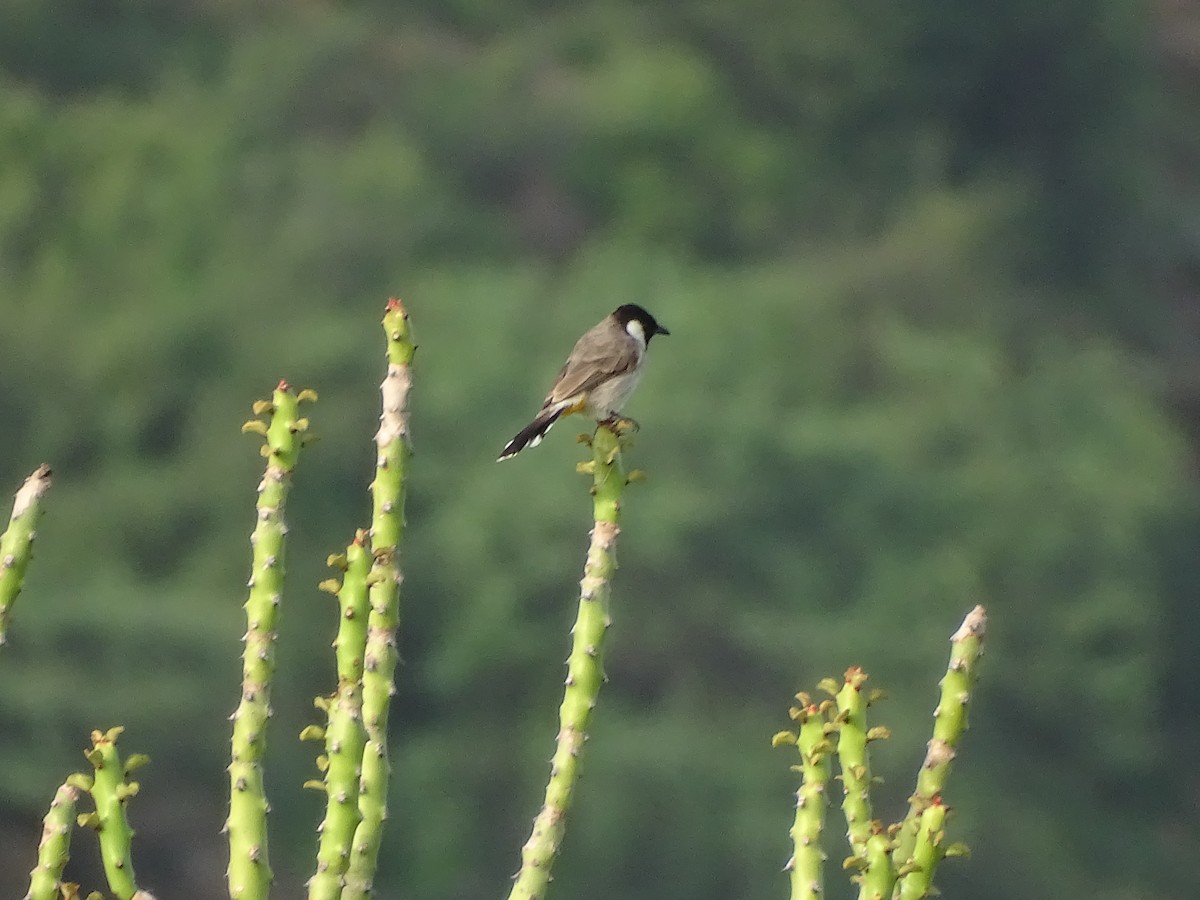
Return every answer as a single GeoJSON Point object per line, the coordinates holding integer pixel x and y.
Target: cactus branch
{"type": "Point", "coordinates": [854, 760]}
{"type": "Point", "coordinates": [379, 665]}
{"type": "Point", "coordinates": [45, 881]}
{"type": "Point", "coordinates": [807, 863]}
{"type": "Point", "coordinates": [16, 544]}
{"type": "Point", "coordinates": [345, 736]}
{"type": "Point", "coordinates": [110, 790]}
{"type": "Point", "coordinates": [928, 852]}
{"type": "Point", "coordinates": [949, 724]}
{"type": "Point", "coordinates": [585, 669]}
{"type": "Point", "coordinates": [249, 867]}
{"type": "Point", "coordinates": [879, 875]}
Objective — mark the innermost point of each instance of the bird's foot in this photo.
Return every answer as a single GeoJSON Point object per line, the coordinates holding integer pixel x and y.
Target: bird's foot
{"type": "Point", "coordinates": [620, 425]}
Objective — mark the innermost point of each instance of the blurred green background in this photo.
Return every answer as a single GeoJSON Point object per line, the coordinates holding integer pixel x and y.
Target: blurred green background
{"type": "Point", "coordinates": [931, 274]}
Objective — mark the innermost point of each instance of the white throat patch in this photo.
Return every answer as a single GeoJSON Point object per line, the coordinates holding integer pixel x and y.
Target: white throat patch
{"type": "Point", "coordinates": [636, 331]}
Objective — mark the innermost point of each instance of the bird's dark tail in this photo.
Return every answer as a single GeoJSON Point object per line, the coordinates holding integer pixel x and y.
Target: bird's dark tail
{"type": "Point", "coordinates": [531, 435]}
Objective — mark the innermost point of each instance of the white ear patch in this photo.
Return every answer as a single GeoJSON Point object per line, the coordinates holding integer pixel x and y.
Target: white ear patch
{"type": "Point", "coordinates": [636, 331]}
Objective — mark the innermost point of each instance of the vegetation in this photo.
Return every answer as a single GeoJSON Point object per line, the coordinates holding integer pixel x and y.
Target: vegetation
{"type": "Point", "coordinates": [900, 859]}
{"type": "Point", "coordinates": [923, 279]}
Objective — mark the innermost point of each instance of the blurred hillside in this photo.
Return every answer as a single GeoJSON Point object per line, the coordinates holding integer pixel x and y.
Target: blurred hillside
{"type": "Point", "coordinates": [931, 276]}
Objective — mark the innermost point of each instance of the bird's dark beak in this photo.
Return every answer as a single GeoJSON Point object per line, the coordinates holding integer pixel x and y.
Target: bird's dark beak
{"type": "Point", "coordinates": [658, 329]}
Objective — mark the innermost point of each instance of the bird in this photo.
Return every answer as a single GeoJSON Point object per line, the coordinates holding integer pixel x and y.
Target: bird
{"type": "Point", "coordinates": [600, 374]}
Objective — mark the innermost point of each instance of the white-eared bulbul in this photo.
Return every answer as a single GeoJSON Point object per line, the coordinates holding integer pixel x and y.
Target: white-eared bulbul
{"type": "Point", "coordinates": [599, 376]}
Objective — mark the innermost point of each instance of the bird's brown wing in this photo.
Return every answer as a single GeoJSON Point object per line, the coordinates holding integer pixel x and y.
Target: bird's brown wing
{"type": "Point", "coordinates": [604, 351]}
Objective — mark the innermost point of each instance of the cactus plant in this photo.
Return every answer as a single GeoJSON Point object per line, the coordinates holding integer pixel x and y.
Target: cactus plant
{"type": "Point", "coordinates": [45, 881]}
{"type": "Point", "coordinates": [344, 736]}
{"type": "Point", "coordinates": [585, 666]}
{"type": "Point", "coordinates": [379, 663]}
{"type": "Point", "coordinates": [16, 544]}
{"type": "Point", "coordinates": [813, 741]}
{"type": "Point", "coordinates": [110, 788]}
{"type": "Point", "coordinates": [249, 866]}
{"type": "Point", "coordinates": [895, 862]}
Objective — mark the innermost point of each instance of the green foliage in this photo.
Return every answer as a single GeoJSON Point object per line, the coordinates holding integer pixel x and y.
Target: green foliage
{"type": "Point", "coordinates": [892, 388]}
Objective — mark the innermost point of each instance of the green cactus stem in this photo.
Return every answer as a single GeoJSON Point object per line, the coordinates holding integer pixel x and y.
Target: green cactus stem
{"type": "Point", "coordinates": [917, 881]}
{"type": "Point", "coordinates": [585, 668]}
{"type": "Point", "coordinates": [879, 874]}
{"type": "Point", "coordinates": [949, 725]}
{"type": "Point", "coordinates": [345, 736]}
{"type": "Point", "coordinates": [110, 789]}
{"type": "Point", "coordinates": [45, 881]}
{"type": "Point", "coordinates": [806, 867]}
{"type": "Point", "coordinates": [854, 760]}
{"type": "Point", "coordinates": [249, 870]}
{"type": "Point", "coordinates": [16, 544]}
{"type": "Point", "coordinates": [379, 664]}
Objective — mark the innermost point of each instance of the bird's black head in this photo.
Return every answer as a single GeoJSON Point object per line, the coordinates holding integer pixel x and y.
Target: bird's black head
{"type": "Point", "coordinates": [631, 312]}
